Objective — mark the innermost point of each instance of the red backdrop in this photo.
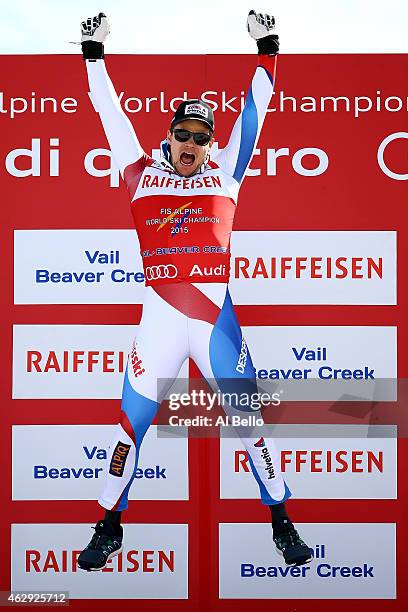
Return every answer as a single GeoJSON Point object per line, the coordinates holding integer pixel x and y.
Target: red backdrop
{"type": "Point", "coordinates": [353, 194]}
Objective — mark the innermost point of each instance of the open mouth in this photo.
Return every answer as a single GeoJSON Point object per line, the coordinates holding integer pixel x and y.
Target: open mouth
{"type": "Point", "coordinates": [187, 159]}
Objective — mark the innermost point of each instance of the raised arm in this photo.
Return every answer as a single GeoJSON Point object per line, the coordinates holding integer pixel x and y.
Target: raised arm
{"type": "Point", "coordinates": [118, 129]}
{"type": "Point", "coordinates": [235, 158]}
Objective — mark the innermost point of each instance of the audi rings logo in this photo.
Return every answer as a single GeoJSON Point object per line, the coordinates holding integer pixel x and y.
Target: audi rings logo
{"type": "Point", "coordinates": [163, 271]}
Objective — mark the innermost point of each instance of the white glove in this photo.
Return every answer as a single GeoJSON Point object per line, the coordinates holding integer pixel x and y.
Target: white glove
{"type": "Point", "coordinates": [260, 25]}
{"type": "Point", "coordinates": [95, 28]}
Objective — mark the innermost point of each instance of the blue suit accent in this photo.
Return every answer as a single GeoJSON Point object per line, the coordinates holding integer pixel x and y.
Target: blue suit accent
{"type": "Point", "coordinates": [225, 350]}
{"type": "Point", "coordinates": [249, 130]}
{"type": "Point", "coordinates": [226, 344]}
{"type": "Point", "coordinates": [140, 411]}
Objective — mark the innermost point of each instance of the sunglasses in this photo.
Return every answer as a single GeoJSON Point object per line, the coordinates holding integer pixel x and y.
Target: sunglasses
{"type": "Point", "coordinates": [200, 138]}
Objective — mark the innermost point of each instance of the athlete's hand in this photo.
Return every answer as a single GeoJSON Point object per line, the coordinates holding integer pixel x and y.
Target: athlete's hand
{"type": "Point", "coordinates": [95, 28]}
{"type": "Point", "coordinates": [261, 27]}
{"type": "Point", "coordinates": [93, 34]}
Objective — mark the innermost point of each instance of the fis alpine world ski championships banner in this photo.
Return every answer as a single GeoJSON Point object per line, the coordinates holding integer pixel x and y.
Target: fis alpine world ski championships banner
{"type": "Point", "coordinates": [319, 279]}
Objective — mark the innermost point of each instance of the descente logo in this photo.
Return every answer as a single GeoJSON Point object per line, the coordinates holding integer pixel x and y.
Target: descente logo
{"type": "Point", "coordinates": [243, 356]}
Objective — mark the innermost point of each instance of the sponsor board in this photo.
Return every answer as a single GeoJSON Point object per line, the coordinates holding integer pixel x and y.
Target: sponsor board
{"type": "Point", "coordinates": [318, 463]}
{"type": "Point", "coordinates": [72, 361]}
{"type": "Point", "coordinates": [309, 267]}
{"type": "Point", "coordinates": [358, 361]}
{"type": "Point", "coordinates": [70, 462]}
{"type": "Point", "coordinates": [352, 561]}
{"type": "Point", "coordinates": [152, 565]}
{"type": "Point", "coordinates": [77, 267]}
{"type": "Point", "coordinates": [314, 267]}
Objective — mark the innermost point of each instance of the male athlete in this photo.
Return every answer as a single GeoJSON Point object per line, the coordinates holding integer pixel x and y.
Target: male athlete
{"type": "Point", "coordinates": [183, 207]}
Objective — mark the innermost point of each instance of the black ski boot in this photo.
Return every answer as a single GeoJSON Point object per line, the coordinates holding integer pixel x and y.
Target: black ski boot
{"type": "Point", "coordinates": [106, 543]}
{"type": "Point", "coordinates": [289, 544]}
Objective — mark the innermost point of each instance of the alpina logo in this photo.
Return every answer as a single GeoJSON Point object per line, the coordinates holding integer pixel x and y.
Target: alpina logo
{"type": "Point", "coordinates": [260, 443]}
{"type": "Point", "coordinates": [136, 362]}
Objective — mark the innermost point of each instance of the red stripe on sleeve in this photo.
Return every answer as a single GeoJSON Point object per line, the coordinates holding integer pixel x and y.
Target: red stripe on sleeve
{"type": "Point", "coordinates": [269, 63]}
